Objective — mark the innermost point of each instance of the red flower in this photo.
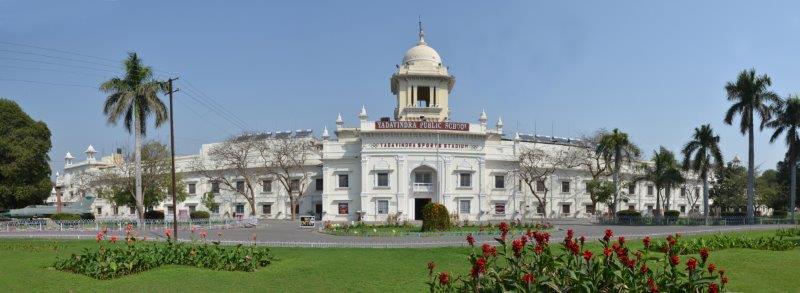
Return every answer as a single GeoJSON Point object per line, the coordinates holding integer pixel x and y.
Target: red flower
{"type": "Point", "coordinates": [711, 268]}
{"type": "Point", "coordinates": [168, 233]}
{"type": "Point", "coordinates": [573, 247]}
{"type": "Point", "coordinates": [652, 285]}
{"type": "Point", "coordinates": [570, 234]}
{"type": "Point", "coordinates": [646, 241]}
{"type": "Point", "coordinates": [587, 255]}
{"type": "Point", "coordinates": [444, 278]}
{"type": "Point", "coordinates": [644, 269]}
{"type": "Point", "coordinates": [538, 249]}
{"type": "Point", "coordinates": [607, 251]}
{"type": "Point", "coordinates": [478, 268]}
{"type": "Point", "coordinates": [674, 260]}
{"type": "Point", "coordinates": [704, 254]}
{"type": "Point", "coordinates": [582, 239]}
{"type": "Point", "coordinates": [691, 264]}
{"type": "Point", "coordinates": [671, 240]}
{"type": "Point", "coordinates": [113, 239]}
{"type": "Point", "coordinates": [517, 246]}
{"type": "Point", "coordinates": [503, 229]}
{"type": "Point", "coordinates": [621, 240]}
{"type": "Point", "coordinates": [100, 236]}
{"type": "Point", "coordinates": [488, 250]}
{"type": "Point", "coordinates": [713, 288]}
{"type": "Point", "coordinates": [608, 234]}
{"type": "Point", "coordinates": [528, 278]}
{"type": "Point", "coordinates": [724, 279]}
{"type": "Point", "coordinates": [471, 240]}
{"type": "Point", "coordinates": [203, 234]}
{"type": "Point", "coordinates": [431, 267]}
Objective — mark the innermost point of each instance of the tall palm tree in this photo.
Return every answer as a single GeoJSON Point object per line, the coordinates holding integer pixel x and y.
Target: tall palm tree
{"type": "Point", "coordinates": [663, 171]}
{"type": "Point", "coordinates": [787, 119]}
{"type": "Point", "coordinates": [750, 96]}
{"type": "Point", "coordinates": [698, 154]}
{"type": "Point", "coordinates": [617, 147]}
{"type": "Point", "coordinates": [133, 98]}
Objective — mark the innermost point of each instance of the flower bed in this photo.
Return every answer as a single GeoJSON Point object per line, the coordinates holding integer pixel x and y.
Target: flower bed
{"type": "Point", "coordinates": [531, 263]}
{"type": "Point", "coordinates": [133, 255]}
{"type": "Point", "coordinates": [361, 229]}
{"type": "Point", "coordinates": [722, 241]}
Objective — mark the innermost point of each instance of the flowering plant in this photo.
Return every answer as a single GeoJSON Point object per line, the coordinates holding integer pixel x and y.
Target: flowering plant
{"type": "Point", "coordinates": [531, 263]}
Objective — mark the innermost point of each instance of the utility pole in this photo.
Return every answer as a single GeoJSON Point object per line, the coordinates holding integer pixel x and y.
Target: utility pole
{"type": "Point", "coordinates": [172, 146]}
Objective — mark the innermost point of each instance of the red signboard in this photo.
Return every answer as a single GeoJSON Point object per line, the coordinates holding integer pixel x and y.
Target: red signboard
{"type": "Point", "coordinates": [424, 125]}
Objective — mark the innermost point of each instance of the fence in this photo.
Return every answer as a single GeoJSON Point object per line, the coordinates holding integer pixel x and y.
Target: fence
{"type": "Point", "coordinates": [672, 221]}
{"type": "Point", "coordinates": [120, 224]}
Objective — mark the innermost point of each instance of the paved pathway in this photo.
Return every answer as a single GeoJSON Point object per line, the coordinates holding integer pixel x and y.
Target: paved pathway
{"type": "Point", "coordinates": [288, 234]}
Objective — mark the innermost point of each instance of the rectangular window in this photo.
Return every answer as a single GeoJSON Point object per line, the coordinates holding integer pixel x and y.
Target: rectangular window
{"type": "Point", "coordinates": [649, 207]}
{"type": "Point", "coordinates": [295, 185]}
{"type": "Point", "coordinates": [631, 189]}
{"type": "Point", "coordinates": [590, 209]}
{"type": "Point", "coordinates": [463, 206]}
{"type": "Point", "coordinates": [697, 191]}
{"type": "Point", "coordinates": [383, 207]}
{"type": "Point", "coordinates": [540, 185]}
{"type": "Point", "coordinates": [499, 181]}
{"type": "Point", "coordinates": [683, 191]}
{"type": "Point", "coordinates": [215, 209]}
{"type": "Point", "coordinates": [215, 187]}
{"type": "Point", "coordinates": [192, 188]}
{"type": "Point", "coordinates": [540, 209]}
{"type": "Point", "coordinates": [344, 181]}
{"type": "Point", "coordinates": [382, 179]}
{"type": "Point", "coordinates": [343, 210]}
{"type": "Point", "coordinates": [500, 208]}
{"type": "Point", "coordinates": [192, 209]}
{"type": "Point", "coordinates": [240, 209]}
{"type": "Point", "coordinates": [650, 190]}
{"type": "Point", "coordinates": [564, 186]}
{"type": "Point", "coordinates": [99, 210]}
{"type": "Point", "coordinates": [240, 186]}
{"type": "Point", "coordinates": [318, 184]}
{"type": "Point", "coordinates": [266, 209]}
{"type": "Point", "coordinates": [266, 186]}
{"type": "Point", "coordinates": [464, 179]}
{"type": "Point", "coordinates": [565, 209]}
{"type": "Point", "coordinates": [631, 207]}
{"type": "Point", "coordinates": [519, 185]}
{"type": "Point", "coordinates": [422, 177]}
{"type": "Point", "coordinates": [683, 209]}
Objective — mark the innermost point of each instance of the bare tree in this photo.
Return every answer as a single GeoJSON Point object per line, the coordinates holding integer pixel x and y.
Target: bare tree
{"type": "Point", "coordinates": [596, 164]}
{"type": "Point", "coordinates": [233, 165]}
{"type": "Point", "coordinates": [286, 159]}
{"type": "Point", "coordinates": [537, 164]}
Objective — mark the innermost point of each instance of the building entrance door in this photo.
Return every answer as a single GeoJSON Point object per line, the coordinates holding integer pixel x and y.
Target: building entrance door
{"type": "Point", "coordinates": [419, 203]}
{"type": "Point", "coordinates": [318, 212]}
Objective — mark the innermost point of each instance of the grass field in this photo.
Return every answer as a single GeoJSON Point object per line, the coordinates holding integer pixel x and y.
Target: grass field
{"type": "Point", "coordinates": [24, 267]}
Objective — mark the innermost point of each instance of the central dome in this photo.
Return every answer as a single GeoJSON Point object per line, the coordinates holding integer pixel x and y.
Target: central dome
{"type": "Point", "coordinates": [421, 52]}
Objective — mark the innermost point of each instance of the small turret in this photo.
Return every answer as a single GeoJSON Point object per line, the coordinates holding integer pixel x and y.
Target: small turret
{"type": "Point", "coordinates": [90, 153]}
{"type": "Point", "coordinates": [325, 134]}
{"type": "Point", "coordinates": [339, 121]}
{"type": "Point", "coordinates": [499, 125]}
{"type": "Point", "coordinates": [68, 159]}
{"type": "Point", "coordinates": [363, 114]}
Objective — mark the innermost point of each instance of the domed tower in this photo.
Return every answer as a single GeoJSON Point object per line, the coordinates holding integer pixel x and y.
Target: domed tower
{"type": "Point", "coordinates": [422, 85]}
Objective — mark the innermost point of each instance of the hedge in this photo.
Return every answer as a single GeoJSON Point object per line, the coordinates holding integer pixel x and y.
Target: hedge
{"type": "Point", "coordinates": [435, 217]}
{"type": "Point", "coordinates": [672, 214]}
{"type": "Point", "coordinates": [65, 217]}
{"type": "Point", "coordinates": [154, 215]}
{"type": "Point", "coordinates": [199, 215]}
{"type": "Point", "coordinates": [779, 214]}
{"type": "Point", "coordinates": [629, 214]}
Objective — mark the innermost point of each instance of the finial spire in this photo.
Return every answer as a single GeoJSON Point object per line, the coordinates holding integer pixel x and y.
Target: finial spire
{"type": "Point", "coordinates": [421, 32]}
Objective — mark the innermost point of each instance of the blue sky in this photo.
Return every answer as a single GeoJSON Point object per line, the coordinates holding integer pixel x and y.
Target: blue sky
{"type": "Point", "coordinates": [654, 69]}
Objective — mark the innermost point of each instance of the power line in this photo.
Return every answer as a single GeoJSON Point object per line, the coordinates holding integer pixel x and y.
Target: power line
{"type": "Point", "coordinates": [52, 70]}
{"type": "Point", "coordinates": [47, 82]}
{"type": "Point", "coordinates": [233, 115]}
{"type": "Point", "coordinates": [61, 58]}
{"type": "Point", "coordinates": [56, 50]}
{"type": "Point", "coordinates": [220, 114]}
{"type": "Point", "coordinates": [56, 63]}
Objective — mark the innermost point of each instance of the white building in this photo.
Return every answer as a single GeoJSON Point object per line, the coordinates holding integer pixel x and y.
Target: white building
{"type": "Point", "coordinates": [372, 169]}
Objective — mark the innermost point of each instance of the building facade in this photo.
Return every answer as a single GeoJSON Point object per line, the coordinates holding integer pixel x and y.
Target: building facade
{"type": "Point", "coordinates": [376, 169]}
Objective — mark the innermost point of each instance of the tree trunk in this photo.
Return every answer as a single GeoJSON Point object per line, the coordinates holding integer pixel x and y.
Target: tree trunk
{"type": "Point", "coordinates": [705, 198]}
{"type": "Point", "coordinates": [751, 176]}
{"type": "Point", "coordinates": [617, 159]}
{"type": "Point", "coordinates": [658, 202]}
{"type": "Point", "coordinates": [792, 187]}
{"type": "Point", "coordinates": [138, 154]}
{"type": "Point", "coordinates": [252, 202]}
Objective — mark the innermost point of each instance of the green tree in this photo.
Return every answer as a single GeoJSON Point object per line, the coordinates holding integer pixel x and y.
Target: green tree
{"type": "Point", "coordinates": [663, 171]}
{"type": "Point", "coordinates": [702, 155]}
{"type": "Point", "coordinates": [787, 123]}
{"type": "Point", "coordinates": [770, 191]}
{"type": "Point", "coordinates": [730, 187]}
{"type": "Point", "coordinates": [750, 96]}
{"type": "Point", "coordinates": [118, 184]}
{"type": "Point", "coordinates": [616, 147]}
{"type": "Point", "coordinates": [133, 98]}
{"type": "Point", "coordinates": [24, 168]}
{"type": "Point", "coordinates": [599, 191]}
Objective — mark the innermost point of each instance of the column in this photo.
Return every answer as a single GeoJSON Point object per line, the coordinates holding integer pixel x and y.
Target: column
{"type": "Point", "coordinates": [481, 193]}
{"type": "Point", "coordinates": [401, 183]}
{"type": "Point", "coordinates": [364, 202]}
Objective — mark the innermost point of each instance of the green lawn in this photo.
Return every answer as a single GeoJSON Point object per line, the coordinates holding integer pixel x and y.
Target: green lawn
{"type": "Point", "coordinates": [24, 268]}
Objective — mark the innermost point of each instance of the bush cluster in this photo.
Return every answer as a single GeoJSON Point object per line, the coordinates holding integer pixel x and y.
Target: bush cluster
{"type": "Point", "coordinates": [672, 214]}
{"type": "Point", "coordinates": [154, 215]}
{"type": "Point", "coordinates": [199, 215]}
{"type": "Point", "coordinates": [435, 217]}
{"type": "Point", "coordinates": [113, 260]}
{"type": "Point", "coordinates": [629, 214]}
{"type": "Point", "coordinates": [779, 214]}
{"type": "Point", "coordinates": [65, 217]}
{"type": "Point", "coordinates": [722, 241]}
{"type": "Point", "coordinates": [532, 264]}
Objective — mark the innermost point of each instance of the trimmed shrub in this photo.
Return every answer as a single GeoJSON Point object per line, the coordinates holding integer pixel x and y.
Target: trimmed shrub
{"type": "Point", "coordinates": [154, 215]}
{"type": "Point", "coordinates": [672, 214]}
{"type": "Point", "coordinates": [87, 216]}
{"type": "Point", "coordinates": [199, 215]}
{"type": "Point", "coordinates": [629, 214]}
{"type": "Point", "coordinates": [65, 217]}
{"type": "Point", "coordinates": [779, 214]}
{"type": "Point", "coordinates": [435, 217]}
{"type": "Point", "coordinates": [733, 214]}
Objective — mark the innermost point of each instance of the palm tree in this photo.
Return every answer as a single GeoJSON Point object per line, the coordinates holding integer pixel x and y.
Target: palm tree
{"type": "Point", "coordinates": [133, 98]}
{"type": "Point", "coordinates": [697, 156]}
{"type": "Point", "coordinates": [787, 119]}
{"type": "Point", "coordinates": [663, 172]}
{"type": "Point", "coordinates": [750, 95]}
{"type": "Point", "coordinates": [616, 146]}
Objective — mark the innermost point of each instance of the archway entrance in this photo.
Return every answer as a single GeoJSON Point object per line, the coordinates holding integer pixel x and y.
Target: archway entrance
{"type": "Point", "coordinates": [423, 188]}
{"type": "Point", "coordinates": [420, 203]}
